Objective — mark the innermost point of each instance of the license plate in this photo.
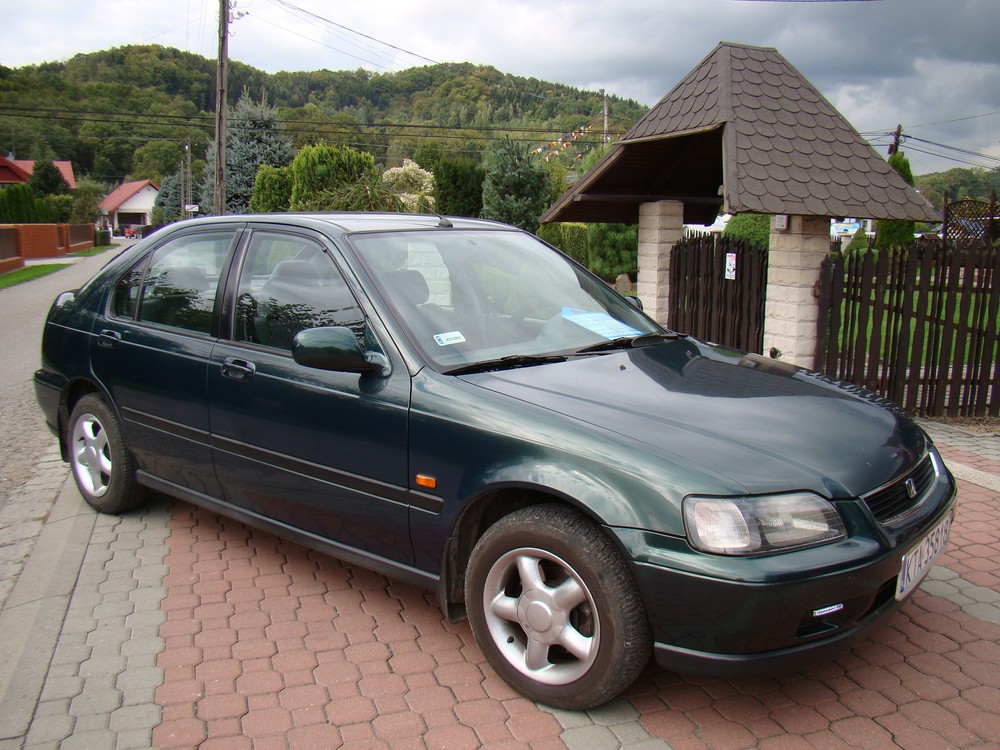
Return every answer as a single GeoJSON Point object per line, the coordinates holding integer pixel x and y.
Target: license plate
{"type": "Point", "coordinates": [918, 560]}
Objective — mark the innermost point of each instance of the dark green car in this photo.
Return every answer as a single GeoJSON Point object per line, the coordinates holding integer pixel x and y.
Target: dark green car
{"type": "Point", "coordinates": [455, 404]}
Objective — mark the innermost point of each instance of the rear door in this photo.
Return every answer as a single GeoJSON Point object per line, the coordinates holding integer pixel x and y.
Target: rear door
{"type": "Point", "coordinates": [151, 352]}
{"type": "Point", "coordinates": [321, 452]}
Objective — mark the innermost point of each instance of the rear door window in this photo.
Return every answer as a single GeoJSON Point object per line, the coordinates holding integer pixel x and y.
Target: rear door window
{"type": "Point", "coordinates": [178, 285]}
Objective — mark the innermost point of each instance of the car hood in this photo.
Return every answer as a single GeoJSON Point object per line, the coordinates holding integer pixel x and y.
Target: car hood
{"type": "Point", "coordinates": [763, 424]}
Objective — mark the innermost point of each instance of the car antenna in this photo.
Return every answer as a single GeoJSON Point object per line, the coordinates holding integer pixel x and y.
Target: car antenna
{"type": "Point", "coordinates": [443, 221]}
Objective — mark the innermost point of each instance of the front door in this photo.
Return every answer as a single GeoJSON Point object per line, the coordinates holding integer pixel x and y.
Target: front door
{"type": "Point", "coordinates": [321, 452]}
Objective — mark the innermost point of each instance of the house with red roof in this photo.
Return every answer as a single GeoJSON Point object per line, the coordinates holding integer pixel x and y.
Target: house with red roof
{"type": "Point", "coordinates": [11, 173]}
{"type": "Point", "coordinates": [16, 171]}
{"type": "Point", "coordinates": [129, 205]}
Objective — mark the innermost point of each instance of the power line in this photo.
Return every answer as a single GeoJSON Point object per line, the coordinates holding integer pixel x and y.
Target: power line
{"type": "Point", "coordinates": [967, 152]}
{"type": "Point", "coordinates": [956, 119]}
{"type": "Point", "coordinates": [135, 118]}
{"type": "Point", "coordinates": [328, 22]}
{"type": "Point", "coordinates": [296, 9]}
{"type": "Point", "coordinates": [956, 154]}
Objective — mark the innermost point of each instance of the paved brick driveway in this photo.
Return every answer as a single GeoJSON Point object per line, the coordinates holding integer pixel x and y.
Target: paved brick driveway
{"type": "Point", "coordinates": [269, 645]}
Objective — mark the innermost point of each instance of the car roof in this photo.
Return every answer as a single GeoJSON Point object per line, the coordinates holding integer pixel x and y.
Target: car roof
{"type": "Point", "coordinates": [359, 222]}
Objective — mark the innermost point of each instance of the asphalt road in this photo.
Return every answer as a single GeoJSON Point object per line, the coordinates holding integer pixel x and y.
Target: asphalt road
{"type": "Point", "coordinates": [27, 448]}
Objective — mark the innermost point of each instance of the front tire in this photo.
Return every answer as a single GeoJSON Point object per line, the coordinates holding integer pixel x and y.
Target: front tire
{"type": "Point", "coordinates": [555, 609]}
{"type": "Point", "coordinates": [103, 468]}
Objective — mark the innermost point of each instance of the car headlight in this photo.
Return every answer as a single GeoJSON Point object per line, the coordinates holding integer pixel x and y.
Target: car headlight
{"type": "Point", "coordinates": [755, 525]}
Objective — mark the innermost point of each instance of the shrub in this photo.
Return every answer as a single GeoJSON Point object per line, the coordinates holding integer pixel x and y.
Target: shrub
{"type": "Point", "coordinates": [754, 228]}
{"type": "Point", "coordinates": [612, 249]}
{"type": "Point", "coordinates": [272, 190]}
{"type": "Point", "coordinates": [458, 187]}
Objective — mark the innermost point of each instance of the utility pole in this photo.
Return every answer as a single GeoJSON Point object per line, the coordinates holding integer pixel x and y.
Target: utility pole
{"type": "Point", "coordinates": [894, 146]}
{"type": "Point", "coordinates": [607, 135]}
{"type": "Point", "coordinates": [190, 194]}
{"type": "Point", "coordinates": [221, 72]}
{"type": "Point", "coordinates": [180, 185]}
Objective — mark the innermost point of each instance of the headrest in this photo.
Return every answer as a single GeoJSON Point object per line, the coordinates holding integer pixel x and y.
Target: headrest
{"type": "Point", "coordinates": [182, 279]}
{"type": "Point", "coordinates": [408, 286]}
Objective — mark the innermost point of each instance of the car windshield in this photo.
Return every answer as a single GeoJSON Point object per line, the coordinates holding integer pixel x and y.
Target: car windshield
{"type": "Point", "coordinates": [469, 298]}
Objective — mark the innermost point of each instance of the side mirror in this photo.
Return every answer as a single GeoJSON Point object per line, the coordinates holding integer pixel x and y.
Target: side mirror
{"type": "Point", "coordinates": [635, 302]}
{"type": "Point", "coordinates": [336, 348]}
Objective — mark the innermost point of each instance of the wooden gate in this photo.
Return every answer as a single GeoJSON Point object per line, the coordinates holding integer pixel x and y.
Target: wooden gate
{"type": "Point", "coordinates": [920, 326]}
{"type": "Point", "coordinates": [717, 291]}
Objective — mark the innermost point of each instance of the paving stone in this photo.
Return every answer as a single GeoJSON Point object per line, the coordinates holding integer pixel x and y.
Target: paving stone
{"type": "Point", "coordinates": [177, 612]}
{"type": "Point", "coordinates": [90, 740]}
{"type": "Point", "coordinates": [132, 718]}
{"type": "Point", "coordinates": [54, 729]}
{"type": "Point", "coordinates": [62, 687]}
{"type": "Point", "coordinates": [591, 737]}
{"type": "Point", "coordinates": [614, 712]}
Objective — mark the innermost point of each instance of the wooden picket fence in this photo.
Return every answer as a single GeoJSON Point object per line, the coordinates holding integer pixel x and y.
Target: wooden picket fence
{"type": "Point", "coordinates": [919, 325]}
{"type": "Point", "coordinates": [717, 291]}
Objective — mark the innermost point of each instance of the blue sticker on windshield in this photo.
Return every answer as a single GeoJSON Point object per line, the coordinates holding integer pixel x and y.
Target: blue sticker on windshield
{"type": "Point", "coordinates": [600, 323]}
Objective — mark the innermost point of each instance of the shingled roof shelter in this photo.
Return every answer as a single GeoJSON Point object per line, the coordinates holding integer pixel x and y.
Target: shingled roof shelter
{"type": "Point", "coordinates": [743, 132]}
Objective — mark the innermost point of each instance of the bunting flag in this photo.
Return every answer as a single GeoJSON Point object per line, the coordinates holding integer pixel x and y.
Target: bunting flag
{"type": "Point", "coordinates": [556, 147]}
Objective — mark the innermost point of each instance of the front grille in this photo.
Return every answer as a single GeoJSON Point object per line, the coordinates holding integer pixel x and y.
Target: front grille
{"type": "Point", "coordinates": [894, 500]}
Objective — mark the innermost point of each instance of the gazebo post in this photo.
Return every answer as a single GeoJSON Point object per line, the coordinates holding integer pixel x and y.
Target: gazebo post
{"type": "Point", "coordinates": [661, 226]}
{"type": "Point", "coordinates": [790, 311]}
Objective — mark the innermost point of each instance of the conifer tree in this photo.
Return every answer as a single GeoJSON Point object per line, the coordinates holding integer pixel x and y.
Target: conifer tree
{"type": "Point", "coordinates": [896, 232]}
{"type": "Point", "coordinates": [46, 179]}
{"type": "Point", "coordinates": [515, 190]}
{"type": "Point", "coordinates": [254, 137]}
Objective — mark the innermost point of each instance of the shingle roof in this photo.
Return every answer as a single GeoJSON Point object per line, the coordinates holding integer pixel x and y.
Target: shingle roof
{"type": "Point", "coordinates": [123, 192]}
{"type": "Point", "coordinates": [746, 130]}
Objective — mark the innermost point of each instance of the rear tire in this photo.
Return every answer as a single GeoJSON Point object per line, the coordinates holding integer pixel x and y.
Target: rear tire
{"type": "Point", "coordinates": [555, 609]}
{"type": "Point", "coordinates": [103, 468]}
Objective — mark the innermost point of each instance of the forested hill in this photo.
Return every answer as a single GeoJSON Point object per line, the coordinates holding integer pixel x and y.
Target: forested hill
{"type": "Point", "coordinates": [100, 110]}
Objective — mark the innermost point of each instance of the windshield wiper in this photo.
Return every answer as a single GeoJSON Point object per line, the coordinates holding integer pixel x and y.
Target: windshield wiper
{"type": "Point", "coordinates": [628, 342]}
{"type": "Point", "coordinates": [509, 362]}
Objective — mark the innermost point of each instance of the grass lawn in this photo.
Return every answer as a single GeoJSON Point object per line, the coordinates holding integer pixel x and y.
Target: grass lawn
{"type": "Point", "coordinates": [28, 273]}
{"type": "Point", "coordinates": [43, 269]}
{"type": "Point", "coordinates": [92, 251]}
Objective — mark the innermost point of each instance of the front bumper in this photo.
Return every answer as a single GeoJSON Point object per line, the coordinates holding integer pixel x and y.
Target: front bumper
{"type": "Point", "coordinates": [741, 617]}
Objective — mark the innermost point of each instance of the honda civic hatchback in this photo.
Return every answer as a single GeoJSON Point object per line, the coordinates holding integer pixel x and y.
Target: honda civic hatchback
{"type": "Point", "coordinates": [457, 405]}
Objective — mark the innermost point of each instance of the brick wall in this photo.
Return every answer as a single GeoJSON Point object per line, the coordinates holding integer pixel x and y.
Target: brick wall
{"type": "Point", "coordinates": [11, 264]}
{"type": "Point", "coordinates": [49, 240]}
{"type": "Point", "coordinates": [39, 241]}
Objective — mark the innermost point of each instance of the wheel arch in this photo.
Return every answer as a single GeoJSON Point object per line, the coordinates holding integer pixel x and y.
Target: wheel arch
{"type": "Point", "coordinates": [480, 514]}
{"type": "Point", "coordinates": [71, 395]}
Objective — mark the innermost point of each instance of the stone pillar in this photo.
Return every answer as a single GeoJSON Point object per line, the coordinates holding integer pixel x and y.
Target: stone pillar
{"type": "Point", "coordinates": [790, 312]}
{"type": "Point", "coordinates": [661, 226]}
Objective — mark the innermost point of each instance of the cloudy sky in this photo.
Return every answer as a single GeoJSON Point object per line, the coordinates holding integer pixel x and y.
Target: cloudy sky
{"type": "Point", "coordinates": [932, 66]}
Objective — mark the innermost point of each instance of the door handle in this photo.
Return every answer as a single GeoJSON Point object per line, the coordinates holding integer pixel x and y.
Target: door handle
{"type": "Point", "coordinates": [108, 338]}
{"type": "Point", "coordinates": [238, 369]}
